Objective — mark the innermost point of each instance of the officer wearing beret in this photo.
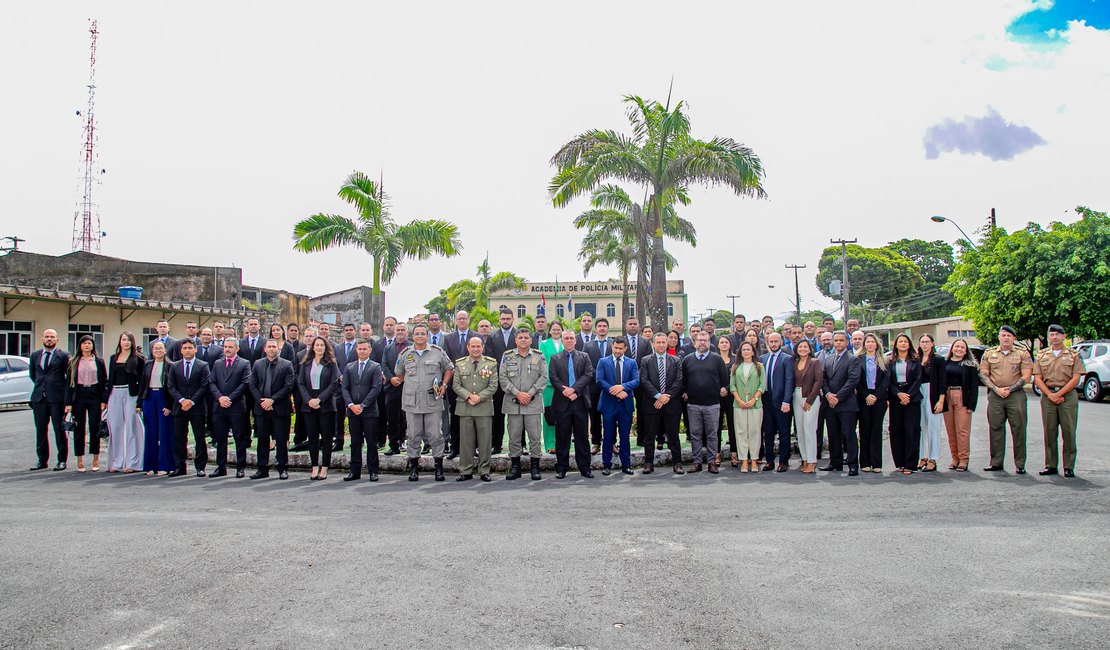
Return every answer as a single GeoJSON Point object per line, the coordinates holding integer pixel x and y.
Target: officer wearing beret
{"type": "Point", "coordinates": [1005, 370]}
{"type": "Point", "coordinates": [475, 382]}
{"type": "Point", "coordinates": [1057, 371]}
{"type": "Point", "coordinates": [523, 378]}
{"type": "Point", "coordinates": [425, 373]}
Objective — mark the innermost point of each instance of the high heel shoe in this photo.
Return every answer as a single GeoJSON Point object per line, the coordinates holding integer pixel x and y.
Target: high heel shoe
{"type": "Point", "coordinates": [962, 467]}
{"type": "Point", "coordinates": [735, 460]}
{"type": "Point", "coordinates": [931, 466]}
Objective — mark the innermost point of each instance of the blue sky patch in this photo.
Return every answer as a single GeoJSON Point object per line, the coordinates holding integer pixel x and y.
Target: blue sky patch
{"type": "Point", "coordinates": [1044, 26]}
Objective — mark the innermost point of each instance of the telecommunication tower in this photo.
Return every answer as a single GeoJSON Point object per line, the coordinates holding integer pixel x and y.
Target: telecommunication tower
{"type": "Point", "coordinates": [86, 219]}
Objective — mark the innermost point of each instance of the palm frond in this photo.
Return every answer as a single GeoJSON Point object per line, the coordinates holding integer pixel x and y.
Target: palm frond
{"type": "Point", "coordinates": [322, 231]}
{"type": "Point", "coordinates": [362, 192]}
{"type": "Point", "coordinates": [422, 239]}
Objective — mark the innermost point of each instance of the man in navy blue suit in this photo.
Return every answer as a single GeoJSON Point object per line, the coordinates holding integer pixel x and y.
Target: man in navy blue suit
{"type": "Point", "coordinates": [776, 402]}
{"type": "Point", "coordinates": [617, 377]}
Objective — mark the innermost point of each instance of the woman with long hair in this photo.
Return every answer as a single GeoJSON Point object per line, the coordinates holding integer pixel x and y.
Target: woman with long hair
{"type": "Point", "coordinates": [809, 376]}
{"type": "Point", "coordinates": [550, 346]}
{"type": "Point", "coordinates": [746, 384]}
{"type": "Point", "coordinates": [125, 425]}
{"type": "Point", "coordinates": [86, 399]}
{"type": "Point", "coordinates": [962, 379]}
{"type": "Point", "coordinates": [934, 387]}
{"type": "Point", "coordinates": [285, 348]}
{"type": "Point", "coordinates": [728, 418]}
{"type": "Point", "coordinates": [874, 381]}
{"type": "Point", "coordinates": [904, 399]}
{"type": "Point", "coordinates": [673, 338]}
{"type": "Point", "coordinates": [155, 403]}
{"type": "Point", "coordinates": [317, 381]}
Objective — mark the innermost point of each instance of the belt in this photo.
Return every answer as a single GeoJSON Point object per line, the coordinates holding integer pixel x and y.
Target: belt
{"type": "Point", "coordinates": [1054, 388]}
{"type": "Point", "coordinates": [121, 386]}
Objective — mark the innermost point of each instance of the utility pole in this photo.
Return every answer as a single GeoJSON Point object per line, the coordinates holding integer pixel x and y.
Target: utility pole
{"type": "Point", "coordinates": [797, 290]}
{"type": "Point", "coordinates": [993, 220]}
{"type": "Point", "coordinates": [844, 271]}
{"type": "Point", "coordinates": [733, 304]}
{"type": "Point", "coordinates": [15, 244]}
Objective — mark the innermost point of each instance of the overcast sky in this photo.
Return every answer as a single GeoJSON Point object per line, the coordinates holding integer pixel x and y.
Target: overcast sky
{"type": "Point", "coordinates": [241, 118]}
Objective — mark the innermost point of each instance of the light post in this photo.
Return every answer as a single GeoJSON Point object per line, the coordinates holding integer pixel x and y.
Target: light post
{"type": "Point", "coordinates": [939, 219]}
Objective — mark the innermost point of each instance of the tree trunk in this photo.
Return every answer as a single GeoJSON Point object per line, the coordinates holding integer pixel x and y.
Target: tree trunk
{"type": "Point", "coordinates": [658, 309]}
{"type": "Point", "coordinates": [624, 301]}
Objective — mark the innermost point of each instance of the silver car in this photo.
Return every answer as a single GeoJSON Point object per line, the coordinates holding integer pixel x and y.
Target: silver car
{"type": "Point", "coordinates": [15, 380]}
{"type": "Point", "coordinates": [1096, 357]}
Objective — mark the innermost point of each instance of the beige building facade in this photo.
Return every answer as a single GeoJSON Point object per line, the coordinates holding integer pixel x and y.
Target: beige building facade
{"type": "Point", "coordinates": [599, 298]}
{"type": "Point", "coordinates": [943, 330]}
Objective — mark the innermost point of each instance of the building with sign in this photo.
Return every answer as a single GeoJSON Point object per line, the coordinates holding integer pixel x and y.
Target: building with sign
{"type": "Point", "coordinates": [572, 299]}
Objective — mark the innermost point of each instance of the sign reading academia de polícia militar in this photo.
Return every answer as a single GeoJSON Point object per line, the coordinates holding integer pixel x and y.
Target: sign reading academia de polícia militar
{"type": "Point", "coordinates": [586, 288]}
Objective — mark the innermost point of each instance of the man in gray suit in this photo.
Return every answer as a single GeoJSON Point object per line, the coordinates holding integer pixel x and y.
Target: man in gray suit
{"type": "Point", "coordinates": [842, 371]}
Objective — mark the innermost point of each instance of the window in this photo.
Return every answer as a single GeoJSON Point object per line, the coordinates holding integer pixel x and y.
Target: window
{"type": "Point", "coordinates": [1085, 352]}
{"type": "Point", "coordinates": [500, 307]}
{"type": "Point", "coordinates": [560, 310]}
{"type": "Point", "coordinates": [76, 331]}
{"type": "Point", "coordinates": [15, 337]}
{"type": "Point", "coordinates": [631, 309]}
{"type": "Point", "coordinates": [331, 318]}
{"type": "Point", "coordinates": [15, 365]}
{"type": "Point", "coordinates": [610, 310]}
{"type": "Point", "coordinates": [956, 334]}
{"type": "Point", "coordinates": [521, 310]}
{"type": "Point", "coordinates": [670, 309]}
{"type": "Point", "coordinates": [1100, 350]}
{"type": "Point", "coordinates": [149, 334]}
{"type": "Point", "coordinates": [540, 310]}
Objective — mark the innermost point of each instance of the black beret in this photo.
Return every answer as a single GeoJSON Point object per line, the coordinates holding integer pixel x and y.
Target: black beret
{"type": "Point", "coordinates": [1059, 329]}
{"type": "Point", "coordinates": [1007, 328]}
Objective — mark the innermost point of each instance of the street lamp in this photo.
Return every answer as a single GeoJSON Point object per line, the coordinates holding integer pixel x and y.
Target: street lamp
{"type": "Point", "coordinates": [939, 219]}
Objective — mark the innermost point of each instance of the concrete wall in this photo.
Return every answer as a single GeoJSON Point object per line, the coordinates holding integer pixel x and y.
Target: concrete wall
{"type": "Point", "coordinates": [348, 306]}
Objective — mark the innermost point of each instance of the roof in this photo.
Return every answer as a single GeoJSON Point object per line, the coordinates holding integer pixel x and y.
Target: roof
{"type": "Point", "coordinates": [907, 324]}
{"type": "Point", "coordinates": [73, 297]}
{"type": "Point", "coordinates": [361, 287]}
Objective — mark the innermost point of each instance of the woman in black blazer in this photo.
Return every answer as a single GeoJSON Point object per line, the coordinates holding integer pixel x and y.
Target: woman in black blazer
{"type": "Point", "coordinates": [874, 379]}
{"type": "Point", "coordinates": [317, 382]}
{"type": "Point", "coordinates": [962, 374]}
{"type": "Point", "coordinates": [125, 425]}
{"type": "Point", "coordinates": [934, 386]}
{"type": "Point", "coordinates": [904, 398]}
{"type": "Point", "coordinates": [155, 402]}
{"type": "Point", "coordinates": [86, 399]}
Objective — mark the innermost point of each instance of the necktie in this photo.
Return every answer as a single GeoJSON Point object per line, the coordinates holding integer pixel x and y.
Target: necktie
{"type": "Point", "coordinates": [266, 385]}
{"type": "Point", "coordinates": [505, 335]}
{"type": "Point", "coordinates": [347, 351]}
{"type": "Point", "coordinates": [188, 368]}
{"type": "Point", "coordinates": [462, 340]}
{"type": "Point", "coordinates": [620, 374]}
{"type": "Point", "coordinates": [252, 344]}
{"type": "Point", "coordinates": [661, 367]}
{"type": "Point", "coordinates": [227, 363]}
{"type": "Point", "coordinates": [601, 346]}
{"type": "Point", "coordinates": [361, 366]}
{"type": "Point", "coordinates": [570, 369]}
{"type": "Point", "coordinates": [832, 366]}
{"type": "Point", "coordinates": [45, 360]}
{"type": "Point", "coordinates": [771, 367]}
{"type": "Point", "coordinates": [435, 339]}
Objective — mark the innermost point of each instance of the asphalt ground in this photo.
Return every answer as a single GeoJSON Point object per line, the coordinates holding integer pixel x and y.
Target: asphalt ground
{"type": "Point", "coordinates": [727, 561]}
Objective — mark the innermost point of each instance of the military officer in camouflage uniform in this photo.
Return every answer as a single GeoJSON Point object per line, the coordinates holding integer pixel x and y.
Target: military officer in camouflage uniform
{"type": "Point", "coordinates": [523, 378]}
{"type": "Point", "coordinates": [475, 383]}
{"type": "Point", "coordinates": [1057, 371]}
{"type": "Point", "coordinates": [1005, 370]}
{"type": "Point", "coordinates": [425, 372]}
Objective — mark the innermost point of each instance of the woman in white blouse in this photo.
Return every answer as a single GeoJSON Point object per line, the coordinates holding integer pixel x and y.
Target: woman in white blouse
{"type": "Point", "coordinates": [318, 383]}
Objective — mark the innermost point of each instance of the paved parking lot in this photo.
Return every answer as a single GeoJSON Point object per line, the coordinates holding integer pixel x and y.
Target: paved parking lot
{"type": "Point", "coordinates": [729, 561]}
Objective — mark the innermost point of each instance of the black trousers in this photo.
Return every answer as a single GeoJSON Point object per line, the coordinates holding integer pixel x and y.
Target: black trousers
{"type": "Point", "coordinates": [453, 442]}
{"type": "Point", "coordinates": [641, 410]}
{"type": "Point", "coordinates": [363, 429]}
{"type": "Point", "coordinates": [597, 434]}
{"type": "Point", "coordinates": [776, 424]}
{"type": "Point", "coordinates": [340, 422]}
{"type": "Point", "coordinates": [86, 421]}
{"type": "Point", "coordinates": [300, 434]}
{"type": "Point", "coordinates": [821, 430]}
{"type": "Point", "coordinates": [230, 419]}
{"type": "Point", "coordinates": [905, 433]}
{"type": "Point", "coordinates": [321, 431]}
{"type": "Point", "coordinates": [660, 425]}
{"type": "Point", "coordinates": [842, 438]}
{"type": "Point", "coordinates": [571, 421]}
{"type": "Point", "coordinates": [54, 414]}
{"type": "Point", "coordinates": [396, 421]}
{"type": "Point", "coordinates": [271, 426]}
{"type": "Point", "coordinates": [383, 420]}
{"type": "Point", "coordinates": [498, 422]}
{"type": "Point", "coordinates": [727, 417]}
{"type": "Point", "coordinates": [194, 417]}
{"type": "Point", "coordinates": [871, 433]}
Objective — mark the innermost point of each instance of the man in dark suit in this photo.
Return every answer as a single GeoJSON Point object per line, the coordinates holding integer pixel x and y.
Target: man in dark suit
{"type": "Point", "coordinates": [736, 337]}
{"type": "Point", "coordinates": [395, 418]}
{"type": "Point", "coordinates": [585, 332]}
{"type": "Point", "coordinates": [271, 385]}
{"type": "Point", "coordinates": [252, 347]}
{"type": "Point", "coordinates": [362, 383]}
{"type": "Point", "coordinates": [541, 334]}
{"type": "Point", "coordinates": [638, 348]}
{"type": "Point", "coordinates": [163, 327]}
{"type": "Point", "coordinates": [776, 403]}
{"type": "Point", "coordinates": [496, 343]}
{"type": "Point", "coordinates": [599, 348]}
{"type": "Point", "coordinates": [188, 387]}
{"type": "Point", "coordinates": [664, 411]}
{"type": "Point", "coordinates": [191, 334]}
{"type": "Point", "coordinates": [389, 327]}
{"type": "Point", "coordinates": [842, 370]}
{"type": "Point", "coordinates": [293, 335]}
{"type": "Point", "coordinates": [454, 345]}
{"type": "Point", "coordinates": [208, 350]}
{"type": "Point", "coordinates": [228, 387]}
{"type": "Point", "coordinates": [48, 396]}
{"type": "Point", "coordinates": [344, 354]}
{"type": "Point", "coordinates": [572, 374]}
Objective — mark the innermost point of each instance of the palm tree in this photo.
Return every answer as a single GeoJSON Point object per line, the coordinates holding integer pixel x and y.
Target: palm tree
{"type": "Point", "coordinates": [466, 294]}
{"type": "Point", "coordinates": [660, 156]}
{"type": "Point", "coordinates": [616, 234]}
{"type": "Point", "coordinates": [375, 232]}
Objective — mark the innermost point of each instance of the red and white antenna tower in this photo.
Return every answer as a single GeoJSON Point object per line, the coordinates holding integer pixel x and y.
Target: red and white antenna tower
{"type": "Point", "coordinates": [86, 219]}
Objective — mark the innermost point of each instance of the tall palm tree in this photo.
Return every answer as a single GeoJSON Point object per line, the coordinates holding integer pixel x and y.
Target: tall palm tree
{"type": "Point", "coordinates": [661, 156]}
{"type": "Point", "coordinates": [616, 234]}
{"type": "Point", "coordinates": [375, 232]}
{"type": "Point", "coordinates": [466, 294]}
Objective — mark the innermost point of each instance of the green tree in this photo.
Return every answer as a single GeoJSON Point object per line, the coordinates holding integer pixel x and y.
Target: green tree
{"type": "Point", "coordinates": [470, 293]}
{"type": "Point", "coordinates": [935, 261]}
{"type": "Point", "coordinates": [438, 304]}
{"type": "Point", "coordinates": [616, 234]}
{"type": "Point", "coordinates": [375, 232]}
{"type": "Point", "coordinates": [879, 278]}
{"type": "Point", "coordinates": [1034, 277]}
{"type": "Point", "coordinates": [662, 157]}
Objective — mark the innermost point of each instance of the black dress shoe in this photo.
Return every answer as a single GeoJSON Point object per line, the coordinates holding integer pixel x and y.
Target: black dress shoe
{"type": "Point", "coordinates": [259, 474]}
{"type": "Point", "coordinates": [627, 470]}
{"type": "Point", "coordinates": [853, 472]}
{"type": "Point", "coordinates": [373, 477]}
{"type": "Point", "coordinates": [37, 467]}
{"type": "Point", "coordinates": [587, 473]}
{"type": "Point", "coordinates": [201, 473]}
{"type": "Point", "coordinates": [240, 473]}
{"type": "Point", "coordinates": [1020, 470]}
{"type": "Point", "coordinates": [678, 469]}
{"type": "Point", "coordinates": [337, 449]}
{"type": "Point", "coordinates": [495, 451]}
{"type": "Point", "coordinates": [464, 477]}
{"type": "Point", "coordinates": [283, 475]}
{"type": "Point", "coordinates": [605, 471]}
{"type": "Point", "coordinates": [768, 466]}
{"type": "Point", "coordinates": [648, 468]}
{"type": "Point", "coordinates": [351, 476]}
{"type": "Point", "coordinates": [782, 467]}
{"type": "Point", "coordinates": [831, 468]}
{"type": "Point", "coordinates": [59, 467]}
{"type": "Point", "coordinates": [560, 474]}
{"type": "Point", "coordinates": [175, 472]}
{"type": "Point", "coordinates": [486, 478]}
{"type": "Point", "coordinates": [299, 447]}
{"type": "Point", "coordinates": [218, 472]}
{"type": "Point", "coordinates": [1049, 471]}
{"type": "Point", "coordinates": [1069, 473]}
{"type": "Point", "coordinates": [453, 455]}
{"type": "Point", "coordinates": [391, 452]}
{"type": "Point", "coordinates": [993, 468]}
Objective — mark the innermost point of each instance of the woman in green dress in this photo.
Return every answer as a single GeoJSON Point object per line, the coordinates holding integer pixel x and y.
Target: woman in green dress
{"type": "Point", "coordinates": [550, 347]}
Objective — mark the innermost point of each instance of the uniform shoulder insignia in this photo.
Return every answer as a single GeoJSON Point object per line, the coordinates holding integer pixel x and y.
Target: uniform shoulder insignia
{"type": "Point", "coordinates": [485, 358]}
{"type": "Point", "coordinates": [435, 347]}
{"type": "Point", "coordinates": [508, 352]}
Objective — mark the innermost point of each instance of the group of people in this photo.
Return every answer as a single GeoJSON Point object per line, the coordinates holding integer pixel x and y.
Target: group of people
{"type": "Point", "coordinates": [457, 394]}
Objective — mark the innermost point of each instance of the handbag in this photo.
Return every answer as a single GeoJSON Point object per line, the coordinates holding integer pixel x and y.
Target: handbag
{"type": "Point", "coordinates": [68, 425]}
{"type": "Point", "coordinates": [104, 430]}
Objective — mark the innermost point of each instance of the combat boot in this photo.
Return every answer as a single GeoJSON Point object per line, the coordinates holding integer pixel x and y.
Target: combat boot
{"type": "Point", "coordinates": [514, 471]}
{"type": "Point", "coordinates": [414, 469]}
{"type": "Point", "coordinates": [535, 467]}
{"type": "Point", "coordinates": [439, 469]}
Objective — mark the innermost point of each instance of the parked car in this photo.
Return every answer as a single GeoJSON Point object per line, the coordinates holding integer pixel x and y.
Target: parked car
{"type": "Point", "coordinates": [1096, 357]}
{"type": "Point", "coordinates": [15, 380]}
{"type": "Point", "coordinates": [975, 350]}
